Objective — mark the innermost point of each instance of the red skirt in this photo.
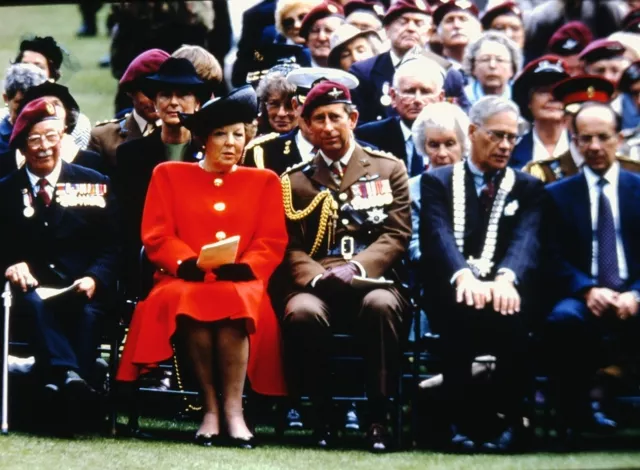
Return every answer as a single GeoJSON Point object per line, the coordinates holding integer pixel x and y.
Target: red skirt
{"type": "Point", "coordinates": [154, 323]}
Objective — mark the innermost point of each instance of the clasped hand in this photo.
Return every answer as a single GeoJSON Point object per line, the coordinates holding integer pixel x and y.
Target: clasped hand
{"type": "Point", "coordinates": [189, 271]}
{"type": "Point", "coordinates": [601, 299]}
{"type": "Point", "coordinates": [477, 293]}
{"type": "Point", "coordinates": [338, 277]}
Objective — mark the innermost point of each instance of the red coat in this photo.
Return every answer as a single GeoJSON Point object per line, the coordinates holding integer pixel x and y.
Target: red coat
{"type": "Point", "coordinates": [186, 208]}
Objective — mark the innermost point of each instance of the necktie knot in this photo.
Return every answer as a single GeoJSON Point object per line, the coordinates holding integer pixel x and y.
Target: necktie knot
{"type": "Point", "coordinates": [43, 195]}
{"type": "Point", "coordinates": [602, 182]}
{"type": "Point", "coordinates": [43, 183]}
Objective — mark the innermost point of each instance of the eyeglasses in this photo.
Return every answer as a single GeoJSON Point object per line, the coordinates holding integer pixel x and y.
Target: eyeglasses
{"type": "Point", "coordinates": [488, 58]}
{"type": "Point", "coordinates": [288, 23]}
{"type": "Point", "coordinates": [34, 140]}
{"type": "Point", "coordinates": [498, 136]}
{"type": "Point", "coordinates": [324, 29]}
{"type": "Point", "coordinates": [414, 95]}
{"type": "Point", "coordinates": [274, 104]}
{"type": "Point", "coordinates": [585, 139]}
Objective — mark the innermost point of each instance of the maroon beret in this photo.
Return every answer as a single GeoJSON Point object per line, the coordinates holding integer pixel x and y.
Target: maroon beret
{"type": "Point", "coordinates": [630, 19]}
{"type": "Point", "coordinates": [375, 7]}
{"type": "Point", "coordinates": [507, 8]}
{"type": "Point", "coordinates": [325, 9]}
{"type": "Point", "coordinates": [406, 6]}
{"type": "Point", "coordinates": [453, 5]}
{"type": "Point", "coordinates": [323, 94]}
{"type": "Point", "coordinates": [544, 71]}
{"type": "Point", "coordinates": [570, 39]}
{"type": "Point", "coordinates": [630, 76]}
{"type": "Point", "coordinates": [143, 66]}
{"type": "Point", "coordinates": [601, 49]}
{"type": "Point", "coordinates": [35, 111]}
{"type": "Point", "coordinates": [574, 91]}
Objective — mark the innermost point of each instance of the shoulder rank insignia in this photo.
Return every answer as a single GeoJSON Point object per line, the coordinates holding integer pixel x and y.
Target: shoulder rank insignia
{"type": "Point", "coordinates": [109, 121]}
{"type": "Point", "coordinates": [380, 153]}
{"type": "Point", "coordinates": [296, 167]}
{"type": "Point", "coordinates": [262, 139]}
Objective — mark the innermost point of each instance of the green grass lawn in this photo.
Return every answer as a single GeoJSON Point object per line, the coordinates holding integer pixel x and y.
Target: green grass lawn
{"type": "Point", "coordinates": [94, 88]}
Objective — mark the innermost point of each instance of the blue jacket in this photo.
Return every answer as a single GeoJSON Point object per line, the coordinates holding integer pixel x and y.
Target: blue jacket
{"type": "Point", "coordinates": [523, 152]}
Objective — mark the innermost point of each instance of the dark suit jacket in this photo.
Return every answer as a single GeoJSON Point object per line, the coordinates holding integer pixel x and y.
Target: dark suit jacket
{"type": "Point", "coordinates": [570, 232]}
{"type": "Point", "coordinates": [518, 235]}
{"type": "Point", "coordinates": [523, 152]}
{"type": "Point", "coordinates": [61, 244]}
{"type": "Point", "coordinates": [135, 161]}
{"type": "Point", "coordinates": [386, 135]}
{"type": "Point", "coordinates": [84, 158]}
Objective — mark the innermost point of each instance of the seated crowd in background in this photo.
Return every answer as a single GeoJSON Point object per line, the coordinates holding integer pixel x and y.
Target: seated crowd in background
{"type": "Point", "coordinates": [478, 158]}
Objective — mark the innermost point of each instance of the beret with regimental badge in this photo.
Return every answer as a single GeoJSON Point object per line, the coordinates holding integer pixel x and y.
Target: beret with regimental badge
{"type": "Point", "coordinates": [324, 10]}
{"type": "Point", "coordinates": [448, 6]}
{"type": "Point", "coordinates": [630, 76]}
{"type": "Point", "coordinates": [507, 8]}
{"type": "Point", "coordinates": [34, 112]}
{"type": "Point", "coordinates": [373, 6]}
{"type": "Point", "coordinates": [570, 39]}
{"type": "Point", "coordinates": [574, 91]}
{"type": "Point", "coordinates": [142, 66]}
{"type": "Point", "coordinates": [542, 72]}
{"type": "Point", "coordinates": [601, 49]}
{"type": "Point", "coordinates": [405, 6]}
{"type": "Point", "coordinates": [324, 94]}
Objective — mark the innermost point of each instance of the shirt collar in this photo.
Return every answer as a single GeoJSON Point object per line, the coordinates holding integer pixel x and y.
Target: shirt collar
{"type": "Point", "coordinates": [395, 58]}
{"type": "Point", "coordinates": [611, 175]}
{"type": "Point", "coordinates": [142, 122]}
{"type": "Point", "coordinates": [562, 145]}
{"type": "Point", "coordinates": [52, 178]}
{"type": "Point", "coordinates": [578, 159]}
{"type": "Point", "coordinates": [406, 130]}
{"type": "Point", "coordinates": [304, 147]}
{"type": "Point", "coordinates": [474, 169]}
{"type": "Point", "coordinates": [344, 159]}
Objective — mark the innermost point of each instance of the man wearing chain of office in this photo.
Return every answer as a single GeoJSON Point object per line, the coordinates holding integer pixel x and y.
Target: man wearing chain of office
{"type": "Point", "coordinates": [479, 235]}
{"type": "Point", "coordinates": [349, 225]}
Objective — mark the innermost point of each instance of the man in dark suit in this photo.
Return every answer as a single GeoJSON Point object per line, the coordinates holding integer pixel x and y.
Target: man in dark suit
{"type": "Point", "coordinates": [416, 83]}
{"type": "Point", "coordinates": [63, 232]}
{"type": "Point", "coordinates": [407, 24]}
{"type": "Point", "coordinates": [594, 228]}
{"type": "Point", "coordinates": [360, 228]}
{"type": "Point", "coordinates": [479, 240]}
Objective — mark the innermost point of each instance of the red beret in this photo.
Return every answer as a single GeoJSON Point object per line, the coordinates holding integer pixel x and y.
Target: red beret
{"type": "Point", "coordinates": [142, 66]}
{"type": "Point", "coordinates": [406, 6]}
{"type": "Point", "coordinates": [507, 8]}
{"type": "Point", "coordinates": [453, 5]}
{"type": "Point", "coordinates": [570, 39]}
{"type": "Point", "coordinates": [323, 94]}
{"type": "Point", "coordinates": [600, 50]}
{"type": "Point", "coordinates": [544, 71]}
{"type": "Point", "coordinates": [630, 76]}
{"type": "Point", "coordinates": [325, 9]}
{"type": "Point", "coordinates": [35, 111]}
{"type": "Point", "coordinates": [582, 88]}
{"type": "Point", "coordinates": [375, 7]}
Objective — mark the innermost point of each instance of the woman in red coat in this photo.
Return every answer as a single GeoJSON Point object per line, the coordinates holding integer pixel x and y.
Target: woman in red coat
{"type": "Point", "coordinates": [223, 317]}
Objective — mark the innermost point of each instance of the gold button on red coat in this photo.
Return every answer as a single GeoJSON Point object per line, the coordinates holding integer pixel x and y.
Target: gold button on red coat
{"type": "Point", "coordinates": [217, 182]}
{"type": "Point", "coordinates": [219, 206]}
{"type": "Point", "coordinates": [221, 235]}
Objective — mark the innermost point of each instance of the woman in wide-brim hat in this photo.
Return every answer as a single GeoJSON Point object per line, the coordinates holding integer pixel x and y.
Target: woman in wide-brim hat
{"type": "Point", "coordinates": [222, 316]}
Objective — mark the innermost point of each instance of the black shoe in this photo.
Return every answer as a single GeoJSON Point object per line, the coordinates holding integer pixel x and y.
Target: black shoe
{"type": "Point", "coordinates": [378, 439]}
{"type": "Point", "coordinates": [505, 443]}
{"type": "Point", "coordinates": [293, 419]}
{"type": "Point", "coordinates": [323, 437]}
{"type": "Point", "coordinates": [351, 421]}
{"type": "Point", "coordinates": [104, 62]}
{"type": "Point", "coordinates": [86, 31]}
{"type": "Point", "coordinates": [77, 387]}
{"type": "Point", "coordinates": [206, 440]}
{"type": "Point", "coordinates": [242, 443]}
{"type": "Point", "coordinates": [462, 443]}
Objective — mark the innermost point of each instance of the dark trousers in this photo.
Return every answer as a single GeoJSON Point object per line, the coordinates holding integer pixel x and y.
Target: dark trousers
{"type": "Point", "coordinates": [575, 338]}
{"type": "Point", "coordinates": [376, 320]}
{"type": "Point", "coordinates": [467, 333]}
{"type": "Point", "coordinates": [64, 332]}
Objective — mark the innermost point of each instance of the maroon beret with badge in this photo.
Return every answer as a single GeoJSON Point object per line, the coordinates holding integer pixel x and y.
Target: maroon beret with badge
{"type": "Point", "coordinates": [574, 91]}
{"type": "Point", "coordinates": [34, 112]}
{"type": "Point", "coordinates": [323, 10]}
{"type": "Point", "coordinates": [324, 94]}
{"type": "Point", "coordinates": [630, 76]}
{"type": "Point", "coordinates": [507, 8]}
{"type": "Point", "coordinates": [375, 7]}
{"type": "Point", "coordinates": [453, 5]}
{"type": "Point", "coordinates": [542, 72]}
{"type": "Point", "coordinates": [144, 65]}
{"type": "Point", "coordinates": [601, 49]}
{"type": "Point", "coordinates": [406, 6]}
{"type": "Point", "coordinates": [570, 39]}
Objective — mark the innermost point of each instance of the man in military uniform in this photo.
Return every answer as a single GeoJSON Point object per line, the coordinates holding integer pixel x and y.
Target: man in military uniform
{"type": "Point", "coordinates": [63, 234]}
{"type": "Point", "coordinates": [573, 92]}
{"type": "Point", "coordinates": [279, 152]}
{"type": "Point", "coordinates": [108, 135]}
{"type": "Point", "coordinates": [349, 225]}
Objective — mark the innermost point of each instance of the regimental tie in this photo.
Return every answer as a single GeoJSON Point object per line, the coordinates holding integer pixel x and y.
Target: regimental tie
{"type": "Point", "coordinates": [336, 172]}
{"type": "Point", "coordinates": [42, 194]}
{"type": "Point", "coordinates": [488, 193]}
{"type": "Point", "coordinates": [608, 269]}
{"type": "Point", "coordinates": [149, 128]}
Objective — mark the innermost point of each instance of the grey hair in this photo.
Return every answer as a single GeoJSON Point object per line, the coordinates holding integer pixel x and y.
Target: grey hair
{"type": "Point", "coordinates": [445, 116]}
{"type": "Point", "coordinates": [469, 61]}
{"type": "Point", "coordinates": [422, 67]}
{"type": "Point", "coordinates": [274, 83]}
{"type": "Point", "coordinates": [491, 105]}
{"type": "Point", "coordinates": [20, 77]}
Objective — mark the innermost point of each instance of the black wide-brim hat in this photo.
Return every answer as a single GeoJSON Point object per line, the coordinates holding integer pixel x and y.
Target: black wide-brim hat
{"type": "Point", "coordinates": [50, 89]}
{"type": "Point", "coordinates": [239, 106]}
{"type": "Point", "coordinates": [177, 74]}
{"type": "Point", "coordinates": [543, 72]}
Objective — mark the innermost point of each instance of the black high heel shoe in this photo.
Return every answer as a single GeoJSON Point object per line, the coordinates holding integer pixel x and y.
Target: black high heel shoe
{"type": "Point", "coordinates": [206, 440]}
{"type": "Point", "coordinates": [242, 443]}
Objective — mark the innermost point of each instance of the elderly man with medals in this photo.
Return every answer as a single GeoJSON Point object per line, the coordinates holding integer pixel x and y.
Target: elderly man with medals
{"type": "Point", "coordinates": [479, 235]}
{"type": "Point", "coordinates": [61, 234]}
{"type": "Point", "coordinates": [349, 226]}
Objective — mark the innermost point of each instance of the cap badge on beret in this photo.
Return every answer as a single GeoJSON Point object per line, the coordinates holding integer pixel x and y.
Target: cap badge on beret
{"type": "Point", "coordinates": [516, 10]}
{"type": "Point", "coordinates": [335, 93]}
{"type": "Point", "coordinates": [379, 9]}
{"type": "Point", "coordinates": [464, 4]}
{"type": "Point", "coordinates": [569, 44]}
{"type": "Point", "coordinates": [421, 5]}
{"type": "Point", "coordinates": [548, 66]}
{"type": "Point", "coordinates": [332, 8]}
{"type": "Point", "coordinates": [591, 92]}
{"type": "Point", "coordinates": [50, 109]}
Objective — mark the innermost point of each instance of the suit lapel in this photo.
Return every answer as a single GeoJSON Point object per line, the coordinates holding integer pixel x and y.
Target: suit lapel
{"type": "Point", "coordinates": [627, 205]}
{"type": "Point", "coordinates": [581, 207]}
{"type": "Point", "coordinates": [131, 128]}
{"type": "Point", "coordinates": [397, 140]}
{"type": "Point", "coordinates": [322, 174]}
{"type": "Point", "coordinates": [356, 168]}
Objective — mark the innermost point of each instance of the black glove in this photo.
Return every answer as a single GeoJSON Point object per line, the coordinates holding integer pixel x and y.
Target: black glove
{"type": "Point", "coordinates": [234, 272]}
{"type": "Point", "coordinates": [189, 271]}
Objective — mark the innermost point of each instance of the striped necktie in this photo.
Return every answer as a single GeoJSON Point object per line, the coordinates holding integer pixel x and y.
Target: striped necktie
{"type": "Point", "coordinates": [336, 172]}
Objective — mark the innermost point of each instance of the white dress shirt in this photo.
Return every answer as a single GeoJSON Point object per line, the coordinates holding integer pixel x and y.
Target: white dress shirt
{"type": "Point", "coordinates": [408, 144]}
{"type": "Point", "coordinates": [611, 193]}
{"type": "Point", "coordinates": [540, 151]}
{"type": "Point", "coordinates": [52, 180]}
{"type": "Point", "coordinates": [142, 122]}
{"type": "Point", "coordinates": [578, 159]}
{"type": "Point", "coordinates": [304, 147]}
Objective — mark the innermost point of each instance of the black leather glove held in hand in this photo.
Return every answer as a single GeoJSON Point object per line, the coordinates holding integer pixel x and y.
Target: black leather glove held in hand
{"type": "Point", "coordinates": [189, 271]}
{"type": "Point", "coordinates": [234, 272]}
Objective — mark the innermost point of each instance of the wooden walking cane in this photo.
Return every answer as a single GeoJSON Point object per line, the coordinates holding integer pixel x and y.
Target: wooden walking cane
{"type": "Point", "coordinates": [6, 295]}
